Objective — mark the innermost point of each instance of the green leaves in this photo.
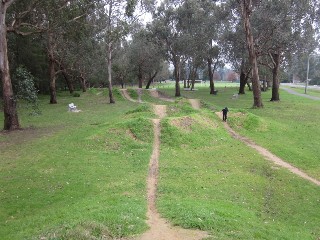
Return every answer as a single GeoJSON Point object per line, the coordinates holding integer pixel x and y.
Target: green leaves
{"type": "Point", "coordinates": [26, 90]}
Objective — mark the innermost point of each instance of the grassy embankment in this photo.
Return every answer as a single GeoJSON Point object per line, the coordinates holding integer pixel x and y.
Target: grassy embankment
{"type": "Point", "coordinates": [83, 174]}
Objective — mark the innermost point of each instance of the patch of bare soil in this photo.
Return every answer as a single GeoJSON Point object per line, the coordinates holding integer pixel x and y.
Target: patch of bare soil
{"type": "Point", "coordinates": [160, 229]}
{"type": "Point", "coordinates": [268, 155]}
{"type": "Point", "coordinates": [156, 94]}
{"type": "Point", "coordinates": [195, 103]}
{"type": "Point", "coordinates": [160, 110]}
{"type": "Point", "coordinates": [183, 123]}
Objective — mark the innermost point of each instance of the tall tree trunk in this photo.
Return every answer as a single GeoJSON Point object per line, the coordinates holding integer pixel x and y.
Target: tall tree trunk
{"type": "Point", "coordinates": [151, 78]}
{"type": "Point", "coordinates": [246, 11]}
{"type": "Point", "coordinates": [109, 53]}
{"type": "Point", "coordinates": [275, 78]}
{"type": "Point", "coordinates": [243, 82]}
{"type": "Point", "coordinates": [83, 83]}
{"type": "Point", "coordinates": [212, 91]}
{"type": "Point", "coordinates": [11, 121]}
{"type": "Point", "coordinates": [109, 73]}
{"type": "Point", "coordinates": [68, 81]}
{"type": "Point", "coordinates": [140, 77]}
{"type": "Point", "coordinates": [52, 71]}
{"type": "Point", "coordinates": [193, 77]}
{"type": "Point", "coordinates": [243, 77]}
{"type": "Point", "coordinates": [177, 69]}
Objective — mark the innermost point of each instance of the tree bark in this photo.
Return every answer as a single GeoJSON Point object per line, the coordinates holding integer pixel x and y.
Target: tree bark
{"type": "Point", "coordinates": [109, 73]}
{"type": "Point", "coordinates": [246, 11]}
{"type": "Point", "coordinates": [193, 77]}
{"type": "Point", "coordinates": [140, 77]}
{"type": "Point", "coordinates": [212, 90]}
{"type": "Point", "coordinates": [243, 82]}
{"type": "Point", "coordinates": [109, 53]}
{"type": "Point", "coordinates": [68, 81]}
{"type": "Point", "coordinates": [83, 83]}
{"type": "Point", "coordinates": [177, 69]}
{"type": "Point", "coordinates": [275, 78]}
{"type": "Point", "coordinates": [151, 79]}
{"type": "Point", "coordinates": [52, 71]}
{"type": "Point", "coordinates": [11, 121]}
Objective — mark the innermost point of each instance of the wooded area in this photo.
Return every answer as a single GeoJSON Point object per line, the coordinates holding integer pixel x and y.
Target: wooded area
{"type": "Point", "coordinates": [76, 44]}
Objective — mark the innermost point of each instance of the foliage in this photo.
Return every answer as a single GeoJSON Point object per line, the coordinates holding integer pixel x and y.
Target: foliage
{"type": "Point", "coordinates": [26, 90]}
{"type": "Point", "coordinates": [76, 94]}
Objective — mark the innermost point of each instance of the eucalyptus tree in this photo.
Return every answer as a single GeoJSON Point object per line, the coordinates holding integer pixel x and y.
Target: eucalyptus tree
{"type": "Point", "coordinates": [23, 21]}
{"type": "Point", "coordinates": [145, 57]}
{"type": "Point", "coordinates": [285, 27]}
{"type": "Point", "coordinates": [115, 17]}
{"type": "Point", "coordinates": [234, 49]}
{"type": "Point", "coordinates": [168, 33]}
{"type": "Point", "coordinates": [61, 18]}
{"type": "Point", "coordinates": [246, 9]}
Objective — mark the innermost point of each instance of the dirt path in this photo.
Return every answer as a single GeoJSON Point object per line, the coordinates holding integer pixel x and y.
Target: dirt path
{"type": "Point", "coordinates": [300, 94]}
{"type": "Point", "coordinates": [126, 95]}
{"type": "Point", "coordinates": [195, 103]}
{"type": "Point", "coordinates": [154, 93]}
{"type": "Point", "coordinates": [160, 229]}
{"type": "Point", "coordinates": [268, 155]}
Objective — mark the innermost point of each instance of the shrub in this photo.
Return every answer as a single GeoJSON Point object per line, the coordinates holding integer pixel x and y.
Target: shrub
{"type": "Point", "coordinates": [26, 90]}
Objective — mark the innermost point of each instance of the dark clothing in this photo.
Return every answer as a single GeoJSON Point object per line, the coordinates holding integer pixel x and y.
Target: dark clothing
{"type": "Point", "coordinates": [224, 114]}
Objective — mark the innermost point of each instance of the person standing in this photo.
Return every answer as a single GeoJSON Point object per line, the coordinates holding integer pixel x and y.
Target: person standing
{"type": "Point", "coordinates": [224, 114]}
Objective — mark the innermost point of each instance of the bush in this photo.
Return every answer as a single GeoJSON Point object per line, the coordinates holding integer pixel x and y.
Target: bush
{"type": "Point", "coordinates": [25, 89]}
{"type": "Point", "coordinates": [76, 94]}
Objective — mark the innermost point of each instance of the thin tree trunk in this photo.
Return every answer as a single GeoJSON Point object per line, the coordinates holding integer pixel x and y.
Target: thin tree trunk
{"type": "Point", "coordinates": [193, 77]}
{"type": "Point", "coordinates": [83, 83]}
{"type": "Point", "coordinates": [52, 73]}
{"type": "Point", "coordinates": [177, 70]}
{"type": "Point", "coordinates": [140, 77]}
{"type": "Point", "coordinates": [243, 82]}
{"type": "Point", "coordinates": [257, 101]}
{"type": "Point", "coordinates": [151, 79]}
{"type": "Point", "coordinates": [109, 54]}
{"type": "Point", "coordinates": [11, 121]}
{"type": "Point", "coordinates": [212, 90]}
{"type": "Point", "coordinates": [275, 78]}
{"type": "Point", "coordinates": [68, 81]}
{"type": "Point", "coordinates": [109, 73]}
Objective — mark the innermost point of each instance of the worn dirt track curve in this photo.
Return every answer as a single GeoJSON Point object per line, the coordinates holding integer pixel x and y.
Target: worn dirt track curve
{"type": "Point", "coordinates": [125, 95]}
{"type": "Point", "coordinates": [268, 155]}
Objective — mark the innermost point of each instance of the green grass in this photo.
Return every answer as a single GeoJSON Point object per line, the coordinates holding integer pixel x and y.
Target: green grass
{"type": "Point", "coordinates": [83, 175]}
{"type": "Point", "coordinates": [76, 170]}
{"type": "Point", "coordinates": [287, 128]}
{"type": "Point", "coordinates": [310, 91]}
{"type": "Point", "coordinates": [212, 182]}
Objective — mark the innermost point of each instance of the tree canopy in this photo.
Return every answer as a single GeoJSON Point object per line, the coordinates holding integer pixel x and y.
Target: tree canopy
{"type": "Point", "coordinates": [78, 43]}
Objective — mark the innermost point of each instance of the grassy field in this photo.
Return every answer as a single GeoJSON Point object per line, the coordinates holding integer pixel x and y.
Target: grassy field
{"type": "Point", "coordinates": [83, 175]}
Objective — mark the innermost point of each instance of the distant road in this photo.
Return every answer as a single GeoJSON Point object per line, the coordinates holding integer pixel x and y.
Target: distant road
{"type": "Point", "coordinates": [289, 90]}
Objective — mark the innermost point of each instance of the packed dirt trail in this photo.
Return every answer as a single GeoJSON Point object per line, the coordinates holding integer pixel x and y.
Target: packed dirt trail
{"type": "Point", "coordinates": [160, 229]}
{"type": "Point", "coordinates": [195, 103]}
{"type": "Point", "coordinates": [267, 154]}
{"type": "Point", "coordinates": [125, 95]}
{"type": "Point", "coordinates": [154, 93]}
